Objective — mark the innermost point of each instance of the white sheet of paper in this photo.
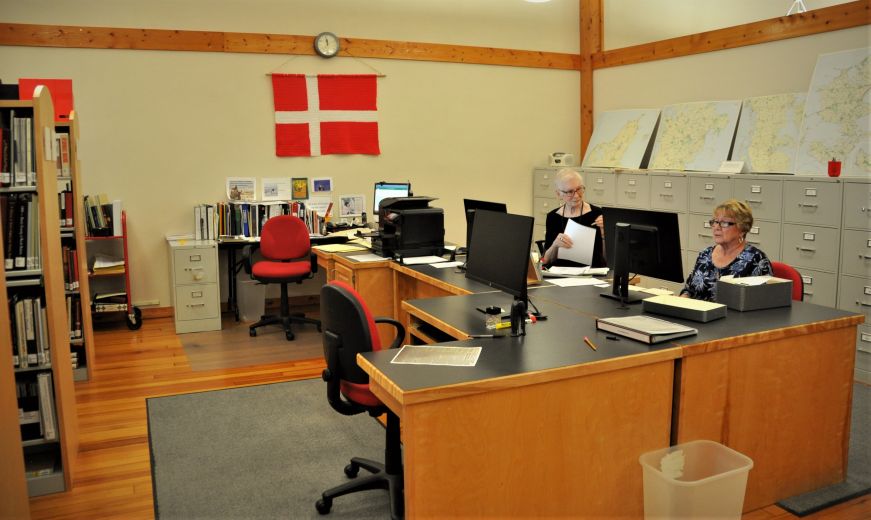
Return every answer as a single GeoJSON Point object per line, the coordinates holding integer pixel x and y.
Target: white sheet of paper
{"type": "Point", "coordinates": [571, 282]}
{"type": "Point", "coordinates": [748, 280]}
{"type": "Point", "coordinates": [583, 240]}
{"type": "Point", "coordinates": [366, 258]}
{"type": "Point", "coordinates": [445, 265]}
{"type": "Point", "coordinates": [417, 260]}
{"type": "Point", "coordinates": [437, 355]}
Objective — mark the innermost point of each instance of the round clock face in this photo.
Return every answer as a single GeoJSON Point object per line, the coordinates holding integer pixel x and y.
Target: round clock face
{"type": "Point", "coordinates": [327, 44]}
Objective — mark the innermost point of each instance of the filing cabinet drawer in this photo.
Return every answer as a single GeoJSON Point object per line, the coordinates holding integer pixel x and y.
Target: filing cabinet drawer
{"type": "Point", "coordinates": [856, 253]}
{"type": "Point", "coordinates": [809, 202]}
{"type": "Point", "coordinates": [195, 265]}
{"type": "Point", "coordinates": [633, 190]}
{"type": "Point", "coordinates": [819, 287]}
{"type": "Point", "coordinates": [763, 196]}
{"type": "Point", "coordinates": [707, 192]}
{"type": "Point", "coordinates": [600, 188]}
{"type": "Point", "coordinates": [810, 246]}
{"type": "Point", "coordinates": [765, 236]}
{"type": "Point", "coordinates": [854, 295]}
{"type": "Point", "coordinates": [863, 342]}
{"type": "Point", "coordinates": [857, 205]}
{"type": "Point", "coordinates": [668, 193]}
{"type": "Point", "coordinates": [542, 182]}
{"type": "Point", "coordinates": [541, 206]}
{"type": "Point", "coordinates": [700, 234]}
{"type": "Point", "coordinates": [196, 302]}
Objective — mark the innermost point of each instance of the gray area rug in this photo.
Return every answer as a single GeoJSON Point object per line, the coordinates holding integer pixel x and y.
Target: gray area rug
{"type": "Point", "coordinates": [258, 452]}
{"type": "Point", "coordinates": [858, 480]}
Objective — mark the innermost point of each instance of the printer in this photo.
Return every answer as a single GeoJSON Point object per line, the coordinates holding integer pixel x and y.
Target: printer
{"type": "Point", "coordinates": [407, 226]}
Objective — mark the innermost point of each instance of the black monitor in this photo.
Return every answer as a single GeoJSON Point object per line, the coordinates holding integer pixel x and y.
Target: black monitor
{"type": "Point", "coordinates": [499, 257]}
{"type": "Point", "coordinates": [471, 206]}
{"type": "Point", "coordinates": [644, 243]}
{"type": "Point", "coordinates": [389, 189]}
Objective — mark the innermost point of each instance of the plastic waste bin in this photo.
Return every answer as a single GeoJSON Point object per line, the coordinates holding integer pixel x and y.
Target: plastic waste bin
{"type": "Point", "coordinates": [251, 298]}
{"type": "Point", "coordinates": [696, 479]}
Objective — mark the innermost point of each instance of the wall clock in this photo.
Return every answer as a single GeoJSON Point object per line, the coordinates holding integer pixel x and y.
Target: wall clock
{"type": "Point", "coordinates": [326, 44]}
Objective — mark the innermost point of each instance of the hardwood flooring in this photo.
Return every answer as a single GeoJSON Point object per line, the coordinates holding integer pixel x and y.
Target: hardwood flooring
{"type": "Point", "coordinates": [113, 472]}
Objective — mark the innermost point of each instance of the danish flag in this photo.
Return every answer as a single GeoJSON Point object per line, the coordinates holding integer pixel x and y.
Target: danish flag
{"type": "Point", "coordinates": [325, 114]}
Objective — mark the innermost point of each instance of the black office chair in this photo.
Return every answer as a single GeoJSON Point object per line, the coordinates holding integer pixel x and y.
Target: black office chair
{"type": "Point", "coordinates": [348, 329]}
{"type": "Point", "coordinates": [286, 249]}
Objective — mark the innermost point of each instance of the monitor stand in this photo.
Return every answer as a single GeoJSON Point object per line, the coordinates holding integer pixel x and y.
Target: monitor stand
{"type": "Point", "coordinates": [630, 298]}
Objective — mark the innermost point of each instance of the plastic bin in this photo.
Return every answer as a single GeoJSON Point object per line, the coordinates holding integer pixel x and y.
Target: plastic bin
{"type": "Point", "coordinates": [251, 298]}
{"type": "Point", "coordinates": [712, 484]}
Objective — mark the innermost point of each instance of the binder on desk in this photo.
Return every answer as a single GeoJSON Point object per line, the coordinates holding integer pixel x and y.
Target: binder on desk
{"type": "Point", "coordinates": [644, 328]}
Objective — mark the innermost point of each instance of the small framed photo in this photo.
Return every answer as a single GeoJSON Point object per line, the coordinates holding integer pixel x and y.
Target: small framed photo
{"type": "Point", "coordinates": [322, 184]}
{"type": "Point", "coordinates": [300, 188]}
{"type": "Point", "coordinates": [352, 205]}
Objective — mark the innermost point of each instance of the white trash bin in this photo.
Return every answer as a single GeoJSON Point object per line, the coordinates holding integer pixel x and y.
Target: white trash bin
{"type": "Point", "coordinates": [251, 298]}
{"type": "Point", "coordinates": [696, 479]}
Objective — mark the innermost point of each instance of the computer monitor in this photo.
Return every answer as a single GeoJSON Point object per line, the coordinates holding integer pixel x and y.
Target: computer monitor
{"type": "Point", "coordinates": [641, 242]}
{"type": "Point", "coordinates": [388, 189]}
{"type": "Point", "coordinates": [499, 257]}
{"type": "Point", "coordinates": [471, 206]}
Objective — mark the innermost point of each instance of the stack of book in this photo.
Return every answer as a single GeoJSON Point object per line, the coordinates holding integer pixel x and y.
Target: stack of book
{"type": "Point", "coordinates": [104, 265]}
{"type": "Point", "coordinates": [110, 302]}
{"type": "Point", "coordinates": [30, 342]}
{"type": "Point", "coordinates": [36, 401]}
{"type": "Point", "coordinates": [19, 213]}
{"type": "Point", "coordinates": [17, 152]}
{"type": "Point", "coordinates": [102, 216]}
{"type": "Point", "coordinates": [246, 219]}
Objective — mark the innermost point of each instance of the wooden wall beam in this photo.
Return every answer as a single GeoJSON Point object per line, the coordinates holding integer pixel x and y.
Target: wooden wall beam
{"type": "Point", "coordinates": [842, 16]}
{"type": "Point", "coordinates": [208, 41]}
{"type": "Point", "coordinates": [591, 44]}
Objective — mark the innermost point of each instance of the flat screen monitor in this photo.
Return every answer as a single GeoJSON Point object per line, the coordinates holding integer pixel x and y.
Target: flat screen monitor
{"type": "Point", "coordinates": [499, 251]}
{"type": "Point", "coordinates": [388, 189]}
{"type": "Point", "coordinates": [641, 242]}
{"type": "Point", "coordinates": [471, 206]}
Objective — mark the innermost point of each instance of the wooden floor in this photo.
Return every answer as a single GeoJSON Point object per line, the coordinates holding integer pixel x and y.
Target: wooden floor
{"type": "Point", "coordinates": [113, 476]}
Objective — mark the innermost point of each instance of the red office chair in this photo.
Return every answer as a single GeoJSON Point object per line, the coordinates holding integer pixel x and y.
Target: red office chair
{"type": "Point", "coordinates": [788, 272]}
{"type": "Point", "coordinates": [348, 329]}
{"type": "Point", "coordinates": [286, 249]}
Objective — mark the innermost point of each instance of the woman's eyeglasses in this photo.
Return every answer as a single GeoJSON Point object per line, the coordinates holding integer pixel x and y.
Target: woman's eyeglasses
{"type": "Point", "coordinates": [724, 224]}
{"type": "Point", "coordinates": [571, 193]}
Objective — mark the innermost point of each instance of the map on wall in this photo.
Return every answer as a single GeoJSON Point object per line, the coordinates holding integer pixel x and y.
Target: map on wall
{"type": "Point", "coordinates": [620, 138]}
{"type": "Point", "coordinates": [767, 136]}
{"type": "Point", "coordinates": [695, 136]}
{"type": "Point", "coordinates": [836, 115]}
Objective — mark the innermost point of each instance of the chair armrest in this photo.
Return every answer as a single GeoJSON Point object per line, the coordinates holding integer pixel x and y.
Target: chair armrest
{"type": "Point", "coordinates": [400, 331]}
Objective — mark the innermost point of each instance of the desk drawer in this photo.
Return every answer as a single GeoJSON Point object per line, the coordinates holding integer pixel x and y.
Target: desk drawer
{"type": "Point", "coordinates": [195, 265]}
{"type": "Point", "coordinates": [196, 302]}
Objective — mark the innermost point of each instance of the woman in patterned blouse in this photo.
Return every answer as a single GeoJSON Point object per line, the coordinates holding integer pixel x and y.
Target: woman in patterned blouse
{"type": "Point", "coordinates": [730, 254]}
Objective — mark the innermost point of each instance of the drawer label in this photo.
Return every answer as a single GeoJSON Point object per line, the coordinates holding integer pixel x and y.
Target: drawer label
{"type": "Point", "coordinates": [754, 230]}
{"type": "Point", "coordinates": [196, 258]}
{"type": "Point", "coordinates": [866, 337]}
{"type": "Point", "coordinates": [667, 184]}
{"type": "Point", "coordinates": [632, 182]}
{"type": "Point", "coordinates": [807, 280]}
{"type": "Point", "coordinates": [707, 224]}
{"type": "Point", "coordinates": [809, 236]}
{"type": "Point", "coordinates": [867, 290]}
{"type": "Point", "coordinates": [600, 180]}
{"type": "Point", "coordinates": [810, 192]}
{"type": "Point", "coordinates": [869, 243]}
{"type": "Point", "coordinates": [196, 294]}
{"type": "Point", "coordinates": [709, 186]}
{"type": "Point", "coordinates": [755, 189]}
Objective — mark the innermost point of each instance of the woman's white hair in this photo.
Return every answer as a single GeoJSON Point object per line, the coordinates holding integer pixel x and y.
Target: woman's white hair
{"type": "Point", "coordinates": [564, 174]}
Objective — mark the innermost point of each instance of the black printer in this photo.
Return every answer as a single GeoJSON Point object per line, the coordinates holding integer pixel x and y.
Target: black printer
{"type": "Point", "coordinates": [407, 226]}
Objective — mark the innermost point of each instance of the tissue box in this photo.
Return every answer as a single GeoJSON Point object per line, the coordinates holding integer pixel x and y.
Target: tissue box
{"type": "Point", "coordinates": [777, 292]}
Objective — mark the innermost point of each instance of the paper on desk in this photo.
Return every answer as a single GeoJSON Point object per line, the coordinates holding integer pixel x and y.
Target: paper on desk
{"type": "Point", "coordinates": [572, 282]}
{"type": "Point", "coordinates": [751, 280]}
{"type": "Point", "coordinates": [339, 248]}
{"type": "Point", "coordinates": [444, 265]}
{"type": "Point", "coordinates": [417, 260]}
{"type": "Point", "coordinates": [436, 355]}
{"type": "Point", "coordinates": [685, 303]}
{"type": "Point", "coordinates": [583, 240]}
{"type": "Point", "coordinates": [366, 258]}
{"type": "Point", "coordinates": [559, 270]}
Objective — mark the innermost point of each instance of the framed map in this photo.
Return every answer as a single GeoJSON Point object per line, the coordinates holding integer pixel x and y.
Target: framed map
{"type": "Point", "coordinates": [621, 138]}
{"type": "Point", "coordinates": [694, 136]}
{"type": "Point", "coordinates": [767, 136]}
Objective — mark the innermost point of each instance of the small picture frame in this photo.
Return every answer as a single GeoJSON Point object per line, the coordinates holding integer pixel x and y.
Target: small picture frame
{"type": "Point", "coordinates": [351, 205]}
{"type": "Point", "coordinates": [322, 184]}
{"type": "Point", "coordinates": [299, 187]}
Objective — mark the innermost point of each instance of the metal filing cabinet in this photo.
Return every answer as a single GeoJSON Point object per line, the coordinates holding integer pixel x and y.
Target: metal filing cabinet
{"type": "Point", "coordinates": [854, 290]}
{"type": "Point", "coordinates": [601, 187]}
{"type": "Point", "coordinates": [633, 190]}
{"type": "Point", "coordinates": [194, 275]}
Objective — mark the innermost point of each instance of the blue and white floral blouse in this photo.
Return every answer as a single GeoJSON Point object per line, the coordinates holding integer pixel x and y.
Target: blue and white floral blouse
{"type": "Point", "coordinates": [702, 282]}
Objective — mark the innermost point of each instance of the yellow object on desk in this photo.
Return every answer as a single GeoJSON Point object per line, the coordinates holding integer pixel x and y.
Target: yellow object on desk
{"type": "Point", "coordinates": [502, 325]}
{"type": "Point", "coordinates": [339, 248]}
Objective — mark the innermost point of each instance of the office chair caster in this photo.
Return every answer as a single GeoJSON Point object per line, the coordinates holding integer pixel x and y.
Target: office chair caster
{"type": "Point", "coordinates": [323, 505]}
{"type": "Point", "coordinates": [289, 335]}
{"type": "Point", "coordinates": [351, 470]}
{"type": "Point", "coordinates": [252, 333]}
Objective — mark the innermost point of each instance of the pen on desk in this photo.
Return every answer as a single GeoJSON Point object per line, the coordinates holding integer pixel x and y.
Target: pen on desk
{"type": "Point", "coordinates": [484, 336]}
{"type": "Point", "coordinates": [590, 343]}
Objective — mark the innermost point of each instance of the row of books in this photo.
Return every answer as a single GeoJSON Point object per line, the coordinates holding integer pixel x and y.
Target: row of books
{"type": "Point", "coordinates": [110, 302]}
{"type": "Point", "coordinates": [17, 152]}
{"type": "Point", "coordinates": [61, 152]}
{"type": "Point", "coordinates": [20, 220]}
{"type": "Point", "coordinates": [66, 208]}
{"type": "Point", "coordinates": [29, 326]}
{"type": "Point", "coordinates": [247, 218]}
{"type": "Point", "coordinates": [37, 396]}
{"type": "Point", "coordinates": [74, 316]}
{"type": "Point", "coordinates": [103, 217]}
{"type": "Point", "coordinates": [70, 259]}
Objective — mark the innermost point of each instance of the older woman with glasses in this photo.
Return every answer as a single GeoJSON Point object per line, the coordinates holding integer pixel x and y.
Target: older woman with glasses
{"type": "Point", "coordinates": [730, 254]}
{"type": "Point", "coordinates": [570, 191]}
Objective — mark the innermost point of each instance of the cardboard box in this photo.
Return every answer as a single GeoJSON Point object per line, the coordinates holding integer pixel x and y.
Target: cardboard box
{"type": "Point", "coordinates": [777, 292]}
{"type": "Point", "coordinates": [685, 308]}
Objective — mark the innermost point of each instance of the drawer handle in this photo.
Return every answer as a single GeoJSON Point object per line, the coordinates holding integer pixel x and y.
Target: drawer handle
{"type": "Point", "coordinates": [808, 293]}
{"type": "Point", "coordinates": [863, 209]}
{"type": "Point", "coordinates": [866, 257]}
{"type": "Point", "coordinates": [196, 305]}
{"type": "Point", "coordinates": [807, 249]}
{"type": "Point", "coordinates": [808, 205]}
{"type": "Point", "coordinates": [754, 241]}
{"type": "Point", "coordinates": [703, 235]}
{"type": "Point", "coordinates": [628, 192]}
{"type": "Point", "coordinates": [706, 197]}
{"type": "Point", "coordinates": [863, 304]}
{"type": "Point", "coordinates": [754, 201]}
{"type": "Point", "coordinates": [666, 195]}
{"type": "Point", "coordinates": [193, 268]}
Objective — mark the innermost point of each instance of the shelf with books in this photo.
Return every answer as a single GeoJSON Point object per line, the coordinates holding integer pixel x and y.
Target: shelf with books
{"type": "Point", "coordinates": [109, 264]}
{"type": "Point", "coordinates": [73, 235]}
{"type": "Point", "coordinates": [42, 382]}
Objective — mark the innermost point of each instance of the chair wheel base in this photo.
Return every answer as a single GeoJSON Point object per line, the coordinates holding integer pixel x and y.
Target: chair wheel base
{"type": "Point", "coordinates": [324, 505]}
{"type": "Point", "coordinates": [352, 470]}
{"type": "Point", "coordinates": [252, 333]}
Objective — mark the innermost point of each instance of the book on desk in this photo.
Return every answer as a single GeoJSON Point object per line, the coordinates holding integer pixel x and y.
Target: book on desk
{"type": "Point", "coordinates": [644, 328]}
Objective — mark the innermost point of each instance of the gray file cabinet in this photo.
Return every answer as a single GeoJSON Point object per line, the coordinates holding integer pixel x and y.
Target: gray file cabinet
{"type": "Point", "coordinates": [854, 284]}
{"type": "Point", "coordinates": [195, 294]}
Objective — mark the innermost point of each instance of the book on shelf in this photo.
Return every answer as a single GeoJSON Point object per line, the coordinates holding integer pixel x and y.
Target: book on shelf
{"type": "Point", "coordinates": [104, 264]}
{"type": "Point", "coordinates": [46, 406]}
{"type": "Point", "coordinates": [61, 147]}
{"type": "Point", "coordinates": [645, 328]}
{"type": "Point", "coordinates": [39, 463]}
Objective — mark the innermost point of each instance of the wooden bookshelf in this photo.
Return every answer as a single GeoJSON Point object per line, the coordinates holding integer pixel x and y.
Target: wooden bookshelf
{"type": "Point", "coordinates": [47, 281]}
{"type": "Point", "coordinates": [85, 346]}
